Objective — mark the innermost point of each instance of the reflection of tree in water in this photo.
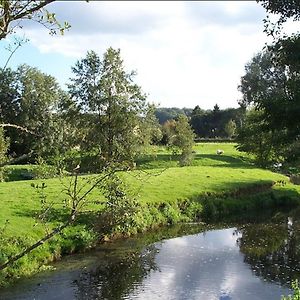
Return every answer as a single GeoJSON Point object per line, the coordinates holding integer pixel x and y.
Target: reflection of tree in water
{"type": "Point", "coordinates": [272, 251]}
{"type": "Point", "coordinates": [118, 273]}
{"type": "Point", "coordinates": [117, 276]}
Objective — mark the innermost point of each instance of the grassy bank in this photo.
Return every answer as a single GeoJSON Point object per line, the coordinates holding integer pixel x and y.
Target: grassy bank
{"type": "Point", "coordinates": [214, 187]}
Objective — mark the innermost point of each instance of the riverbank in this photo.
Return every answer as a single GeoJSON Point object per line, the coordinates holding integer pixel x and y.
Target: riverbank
{"type": "Point", "coordinates": [215, 187]}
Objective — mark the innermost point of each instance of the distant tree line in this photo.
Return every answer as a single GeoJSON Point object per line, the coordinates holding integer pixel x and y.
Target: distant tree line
{"type": "Point", "coordinates": [215, 123]}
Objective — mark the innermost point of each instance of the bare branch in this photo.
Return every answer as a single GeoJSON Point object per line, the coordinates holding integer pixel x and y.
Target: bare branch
{"type": "Point", "coordinates": [18, 127]}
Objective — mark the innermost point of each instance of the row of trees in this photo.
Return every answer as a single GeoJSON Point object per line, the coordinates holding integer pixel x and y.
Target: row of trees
{"type": "Point", "coordinates": [104, 114]}
{"type": "Point", "coordinates": [206, 123]}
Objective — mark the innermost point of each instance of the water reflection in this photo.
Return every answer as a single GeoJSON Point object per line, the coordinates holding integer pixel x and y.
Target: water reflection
{"type": "Point", "coordinates": [204, 266]}
{"type": "Point", "coordinates": [245, 262]}
{"type": "Point", "coordinates": [273, 252]}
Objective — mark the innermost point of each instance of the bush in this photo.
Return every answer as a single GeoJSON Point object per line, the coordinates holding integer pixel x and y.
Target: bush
{"type": "Point", "coordinates": [296, 294]}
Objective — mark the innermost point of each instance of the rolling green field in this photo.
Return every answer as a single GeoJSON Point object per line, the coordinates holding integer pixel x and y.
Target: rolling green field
{"type": "Point", "coordinates": [157, 180]}
{"type": "Point", "coordinates": [164, 182]}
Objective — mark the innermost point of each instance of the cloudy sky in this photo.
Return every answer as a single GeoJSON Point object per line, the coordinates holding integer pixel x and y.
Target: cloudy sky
{"type": "Point", "coordinates": [185, 53]}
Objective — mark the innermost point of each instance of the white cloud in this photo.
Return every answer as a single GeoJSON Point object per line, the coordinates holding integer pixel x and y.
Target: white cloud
{"type": "Point", "coordinates": [186, 53]}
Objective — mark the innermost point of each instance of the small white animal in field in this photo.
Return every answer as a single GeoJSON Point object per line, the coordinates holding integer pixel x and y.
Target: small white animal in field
{"type": "Point", "coordinates": [219, 151]}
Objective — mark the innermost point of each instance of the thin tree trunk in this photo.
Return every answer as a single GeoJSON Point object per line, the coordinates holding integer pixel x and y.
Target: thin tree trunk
{"type": "Point", "coordinates": [37, 244]}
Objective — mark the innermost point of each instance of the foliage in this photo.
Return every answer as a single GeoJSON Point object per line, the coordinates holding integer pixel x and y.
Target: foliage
{"type": "Point", "coordinates": [212, 123]}
{"type": "Point", "coordinates": [296, 294]}
{"type": "Point", "coordinates": [183, 139]}
{"type": "Point", "coordinates": [4, 144]}
{"type": "Point", "coordinates": [119, 208]}
{"type": "Point", "coordinates": [256, 138]}
{"type": "Point", "coordinates": [168, 130]}
{"type": "Point", "coordinates": [230, 128]}
{"type": "Point", "coordinates": [105, 92]}
{"type": "Point", "coordinates": [271, 86]}
{"type": "Point", "coordinates": [164, 114]}
{"type": "Point", "coordinates": [150, 131]}
{"type": "Point", "coordinates": [29, 98]}
{"type": "Point", "coordinates": [13, 12]}
{"type": "Point", "coordinates": [286, 9]}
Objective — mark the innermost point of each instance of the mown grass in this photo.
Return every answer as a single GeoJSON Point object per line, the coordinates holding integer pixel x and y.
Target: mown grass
{"type": "Point", "coordinates": [158, 184]}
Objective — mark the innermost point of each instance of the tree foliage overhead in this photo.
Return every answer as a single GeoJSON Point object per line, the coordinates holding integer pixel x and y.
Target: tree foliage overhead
{"type": "Point", "coordinates": [285, 8]}
{"type": "Point", "coordinates": [13, 12]}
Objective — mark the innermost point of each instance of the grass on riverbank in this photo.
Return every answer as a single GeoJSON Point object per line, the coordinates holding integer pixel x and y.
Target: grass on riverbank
{"type": "Point", "coordinates": [162, 188]}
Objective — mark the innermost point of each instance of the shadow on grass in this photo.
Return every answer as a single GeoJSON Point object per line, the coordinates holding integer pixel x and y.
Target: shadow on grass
{"type": "Point", "coordinates": [213, 160]}
{"type": "Point", "coordinates": [225, 161]}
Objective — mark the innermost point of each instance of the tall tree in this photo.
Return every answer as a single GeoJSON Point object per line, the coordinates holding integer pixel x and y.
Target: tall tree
{"type": "Point", "coordinates": [113, 102]}
{"type": "Point", "coordinates": [271, 83]}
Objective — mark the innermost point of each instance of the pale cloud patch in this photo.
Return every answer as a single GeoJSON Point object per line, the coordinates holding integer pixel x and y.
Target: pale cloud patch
{"type": "Point", "coordinates": [185, 53]}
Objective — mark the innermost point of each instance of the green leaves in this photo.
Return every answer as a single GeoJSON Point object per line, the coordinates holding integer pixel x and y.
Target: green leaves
{"type": "Point", "coordinates": [111, 105]}
{"type": "Point", "coordinates": [12, 13]}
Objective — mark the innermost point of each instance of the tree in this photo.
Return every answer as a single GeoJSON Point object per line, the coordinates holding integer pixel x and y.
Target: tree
{"type": "Point", "coordinates": [256, 138]}
{"type": "Point", "coordinates": [13, 12]}
{"type": "Point", "coordinates": [183, 140]}
{"type": "Point", "coordinates": [113, 102]}
{"type": "Point", "coordinates": [271, 85]}
{"type": "Point", "coordinates": [29, 98]}
{"type": "Point", "coordinates": [150, 131]}
{"type": "Point", "coordinates": [230, 128]}
{"type": "Point", "coordinates": [212, 123]}
{"type": "Point", "coordinates": [168, 130]}
{"type": "Point", "coordinates": [163, 114]}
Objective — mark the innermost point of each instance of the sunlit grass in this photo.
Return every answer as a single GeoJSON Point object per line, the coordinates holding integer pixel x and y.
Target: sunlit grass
{"type": "Point", "coordinates": [19, 201]}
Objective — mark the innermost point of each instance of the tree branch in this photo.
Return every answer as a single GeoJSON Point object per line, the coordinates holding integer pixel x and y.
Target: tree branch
{"type": "Point", "coordinates": [31, 10]}
{"type": "Point", "coordinates": [18, 127]}
{"type": "Point", "coordinates": [37, 244]}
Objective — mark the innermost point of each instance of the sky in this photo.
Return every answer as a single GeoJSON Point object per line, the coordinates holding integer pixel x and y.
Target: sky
{"type": "Point", "coordinates": [185, 53]}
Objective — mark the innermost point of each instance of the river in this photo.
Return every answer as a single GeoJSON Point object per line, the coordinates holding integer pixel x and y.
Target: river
{"type": "Point", "coordinates": [247, 262]}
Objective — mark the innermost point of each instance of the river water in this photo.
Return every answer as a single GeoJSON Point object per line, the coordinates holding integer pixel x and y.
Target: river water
{"type": "Point", "coordinates": [247, 262]}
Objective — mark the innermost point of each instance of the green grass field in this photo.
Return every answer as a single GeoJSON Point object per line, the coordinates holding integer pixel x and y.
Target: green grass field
{"type": "Point", "coordinates": [158, 179]}
{"type": "Point", "coordinates": [165, 182]}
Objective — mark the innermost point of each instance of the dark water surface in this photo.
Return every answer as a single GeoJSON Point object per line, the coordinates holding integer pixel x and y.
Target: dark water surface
{"type": "Point", "coordinates": [253, 261]}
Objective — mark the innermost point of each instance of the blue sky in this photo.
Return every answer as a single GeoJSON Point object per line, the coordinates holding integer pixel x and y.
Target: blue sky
{"type": "Point", "coordinates": [185, 53]}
